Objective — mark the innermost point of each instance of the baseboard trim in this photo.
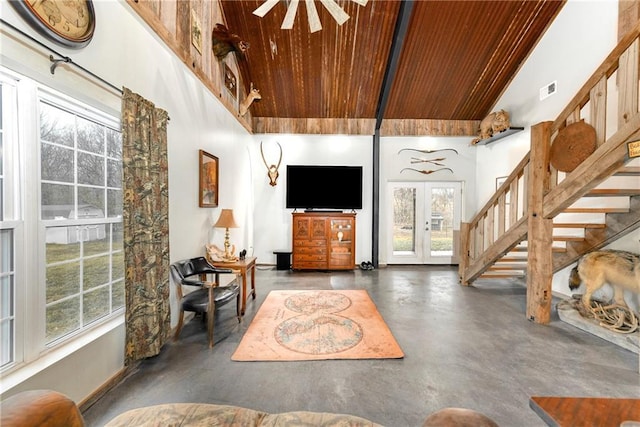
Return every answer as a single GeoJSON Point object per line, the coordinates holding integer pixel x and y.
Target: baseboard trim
{"type": "Point", "coordinates": [88, 401]}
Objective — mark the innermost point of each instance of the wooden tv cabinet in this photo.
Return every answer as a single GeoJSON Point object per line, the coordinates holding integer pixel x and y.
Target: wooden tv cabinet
{"type": "Point", "coordinates": [324, 241]}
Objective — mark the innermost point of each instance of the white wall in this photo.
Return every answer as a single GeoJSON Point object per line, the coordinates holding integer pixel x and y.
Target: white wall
{"type": "Point", "coordinates": [581, 37]}
{"type": "Point", "coordinates": [392, 163]}
{"type": "Point", "coordinates": [272, 221]}
{"type": "Point", "coordinates": [129, 54]}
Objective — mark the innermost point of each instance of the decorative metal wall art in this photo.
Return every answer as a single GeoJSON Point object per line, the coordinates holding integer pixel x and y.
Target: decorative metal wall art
{"type": "Point", "coordinates": [427, 172]}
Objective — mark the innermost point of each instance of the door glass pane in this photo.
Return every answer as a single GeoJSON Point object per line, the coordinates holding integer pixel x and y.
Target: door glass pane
{"type": "Point", "coordinates": [404, 220]}
{"type": "Point", "coordinates": [441, 221]}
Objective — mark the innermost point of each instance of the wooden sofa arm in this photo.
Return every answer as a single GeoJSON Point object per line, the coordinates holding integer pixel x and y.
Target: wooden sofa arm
{"type": "Point", "coordinates": [40, 408]}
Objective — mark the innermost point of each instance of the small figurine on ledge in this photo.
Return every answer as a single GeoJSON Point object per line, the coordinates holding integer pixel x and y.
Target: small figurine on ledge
{"type": "Point", "coordinates": [253, 95]}
{"type": "Point", "coordinates": [492, 124]}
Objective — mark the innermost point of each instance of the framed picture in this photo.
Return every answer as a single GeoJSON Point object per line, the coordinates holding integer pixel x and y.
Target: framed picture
{"type": "Point", "coordinates": [196, 31]}
{"type": "Point", "coordinates": [208, 194]}
{"type": "Point", "coordinates": [230, 81]}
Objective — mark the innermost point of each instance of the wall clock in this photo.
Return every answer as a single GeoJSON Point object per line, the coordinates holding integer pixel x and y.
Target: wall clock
{"type": "Point", "coordinates": [69, 23]}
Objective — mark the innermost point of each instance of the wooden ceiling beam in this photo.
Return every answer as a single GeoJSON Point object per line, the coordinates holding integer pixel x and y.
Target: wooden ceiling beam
{"type": "Point", "coordinates": [401, 127]}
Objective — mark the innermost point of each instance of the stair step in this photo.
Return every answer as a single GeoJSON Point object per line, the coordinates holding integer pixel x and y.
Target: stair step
{"type": "Point", "coordinates": [500, 276]}
{"type": "Point", "coordinates": [596, 210]}
{"type": "Point", "coordinates": [513, 258]}
{"type": "Point", "coordinates": [578, 225]}
{"type": "Point", "coordinates": [628, 171]}
{"type": "Point", "coordinates": [568, 238]}
{"type": "Point", "coordinates": [507, 268]}
{"type": "Point", "coordinates": [524, 249]}
{"type": "Point", "coordinates": [614, 192]}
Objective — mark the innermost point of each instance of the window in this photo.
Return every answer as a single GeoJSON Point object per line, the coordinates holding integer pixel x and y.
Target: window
{"type": "Point", "coordinates": [71, 233]}
{"type": "Point", "coordinates": [10, 223]}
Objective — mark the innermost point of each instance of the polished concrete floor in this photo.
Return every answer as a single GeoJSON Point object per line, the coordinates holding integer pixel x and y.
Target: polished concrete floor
{"type": "Point", "coordinates": [467, 347]}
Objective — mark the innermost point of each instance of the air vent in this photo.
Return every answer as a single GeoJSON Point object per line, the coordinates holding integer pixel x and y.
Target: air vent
{"type": "Point", "coordinates": [548, 90]}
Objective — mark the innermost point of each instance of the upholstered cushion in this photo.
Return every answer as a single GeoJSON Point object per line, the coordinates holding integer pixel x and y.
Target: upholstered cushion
{"type": "Point", "coordinates": [199, 300]}
{"type": "Point", "coordinates": [188, 414]}
{"type": "Point", "coordinates": [305, 418]}
{"type": "Point", "coordinates": [205, 414]}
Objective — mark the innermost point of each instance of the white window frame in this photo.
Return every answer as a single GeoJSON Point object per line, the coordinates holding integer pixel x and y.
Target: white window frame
{"type": "Point", "coordinates": [22, 155]}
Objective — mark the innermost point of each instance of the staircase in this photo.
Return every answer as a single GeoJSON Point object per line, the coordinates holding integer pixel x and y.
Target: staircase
{"type": "Point", "coordinates": [590, 223]}
{"type": "Point", "coordinates": [542, 220]}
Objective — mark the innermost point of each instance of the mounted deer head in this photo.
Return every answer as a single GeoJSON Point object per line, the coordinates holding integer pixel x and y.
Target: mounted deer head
{"type": "Point", "coordinates": [272, 171]}
{"type": "Point", "coordinates": [225, 41]}
{"type": "Point", "coordinates": [254, 95]}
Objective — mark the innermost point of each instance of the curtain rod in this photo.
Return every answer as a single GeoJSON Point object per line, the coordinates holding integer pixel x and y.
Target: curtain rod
{"type": "Point", "coordinates": [63, 59]}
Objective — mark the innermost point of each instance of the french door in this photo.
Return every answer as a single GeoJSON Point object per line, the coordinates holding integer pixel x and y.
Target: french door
{"type": "Point", "coordinates": [424, 222]}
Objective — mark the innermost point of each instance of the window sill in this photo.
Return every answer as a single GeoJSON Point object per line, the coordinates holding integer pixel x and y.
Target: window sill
{"type": "Point", "coordinates": [22, 372]}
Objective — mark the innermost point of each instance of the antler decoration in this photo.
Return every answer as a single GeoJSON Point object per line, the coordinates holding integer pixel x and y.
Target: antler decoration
{"type": "Point", "coordinates": [432, 161]}
{"type": "Point", "coordinates": [426, 172]}
{"type": "Point", "coordinates": [272, 171]}
{"type": "Point", "coordinates": [428, 151]}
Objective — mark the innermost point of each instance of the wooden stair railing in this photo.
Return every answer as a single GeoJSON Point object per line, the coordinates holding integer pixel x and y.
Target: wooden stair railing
{"type": "Point", "coordinates": [524, 207]}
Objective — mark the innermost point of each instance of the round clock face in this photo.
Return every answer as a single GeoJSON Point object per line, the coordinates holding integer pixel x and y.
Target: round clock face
{"type": "Point", "coordinates": [67, 22]}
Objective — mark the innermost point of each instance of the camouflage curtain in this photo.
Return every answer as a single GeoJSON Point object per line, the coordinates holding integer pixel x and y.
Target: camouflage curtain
{"type": "Point", "coordinates": [146, 226]}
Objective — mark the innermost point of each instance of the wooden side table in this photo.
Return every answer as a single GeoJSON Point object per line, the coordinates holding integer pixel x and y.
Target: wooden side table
{"type": "Point", "coordinates": [559, 411]}
{"type": "Point", "coordinates": [244, 266]}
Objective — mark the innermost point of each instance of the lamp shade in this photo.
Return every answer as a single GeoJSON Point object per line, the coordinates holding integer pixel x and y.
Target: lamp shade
{"type": "Point", "coordinates": [226, 219]}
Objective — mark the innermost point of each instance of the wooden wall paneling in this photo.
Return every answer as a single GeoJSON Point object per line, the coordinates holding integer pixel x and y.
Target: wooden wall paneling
{"type": "Point", "coordinates": [429, 127]}
{"type": "Point", "coordinates": [176, 34]}
{"type": "Point", "coordinates": [314, 126]}
{"type": "Point", "coordinates": [168, 15]}
{"type": "Point", "coordinates": [183, 29]}
{"type": "Point", "coordinates": [196, 12]}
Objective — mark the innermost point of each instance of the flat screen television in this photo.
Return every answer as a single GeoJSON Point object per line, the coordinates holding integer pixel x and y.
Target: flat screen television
{"type": "Point", "coordinates": [324, 187]}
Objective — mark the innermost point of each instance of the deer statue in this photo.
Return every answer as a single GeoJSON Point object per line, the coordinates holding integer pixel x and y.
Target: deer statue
{"type": "Point", "coordinates": [254, 95]}
{"type": "Point", "coordinates": [272, 171]}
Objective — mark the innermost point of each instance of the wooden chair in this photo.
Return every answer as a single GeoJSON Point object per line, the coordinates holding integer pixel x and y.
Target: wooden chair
{"type": "Point", "coordinates": [208, 295]}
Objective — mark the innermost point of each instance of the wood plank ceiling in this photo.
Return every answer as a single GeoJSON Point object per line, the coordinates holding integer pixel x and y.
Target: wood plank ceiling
{"type": "Point", "coordinates": [456, 60]}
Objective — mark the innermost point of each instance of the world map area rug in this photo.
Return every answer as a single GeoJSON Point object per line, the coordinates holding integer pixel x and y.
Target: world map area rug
{"type": "Point", "coordinates": [317, 325]}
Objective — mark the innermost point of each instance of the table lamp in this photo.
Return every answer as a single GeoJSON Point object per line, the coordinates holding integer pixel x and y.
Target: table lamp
{"type": "Point", "coordinates": [226, 221]}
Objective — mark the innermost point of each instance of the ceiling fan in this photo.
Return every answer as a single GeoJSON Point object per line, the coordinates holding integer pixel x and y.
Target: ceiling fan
{"type": "Point", "coordinates": [312, 13]}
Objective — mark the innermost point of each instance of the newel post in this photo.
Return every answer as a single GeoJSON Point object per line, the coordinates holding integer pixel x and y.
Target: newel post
{"type": "Point", "coordinates": [540, 229]}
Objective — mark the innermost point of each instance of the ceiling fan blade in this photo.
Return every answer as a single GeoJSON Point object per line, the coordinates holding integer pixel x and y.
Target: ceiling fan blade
{"type": "Point", "coordinates": [361, 2]}
{"type": "Point", "coordinates": [287, 23]}
{"type": "Point", "coordinates": [265, 7]}
{"type": "Point", "coordinates": [312, 14]}
{"type": "Point", "coordinates": [336, 11]}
